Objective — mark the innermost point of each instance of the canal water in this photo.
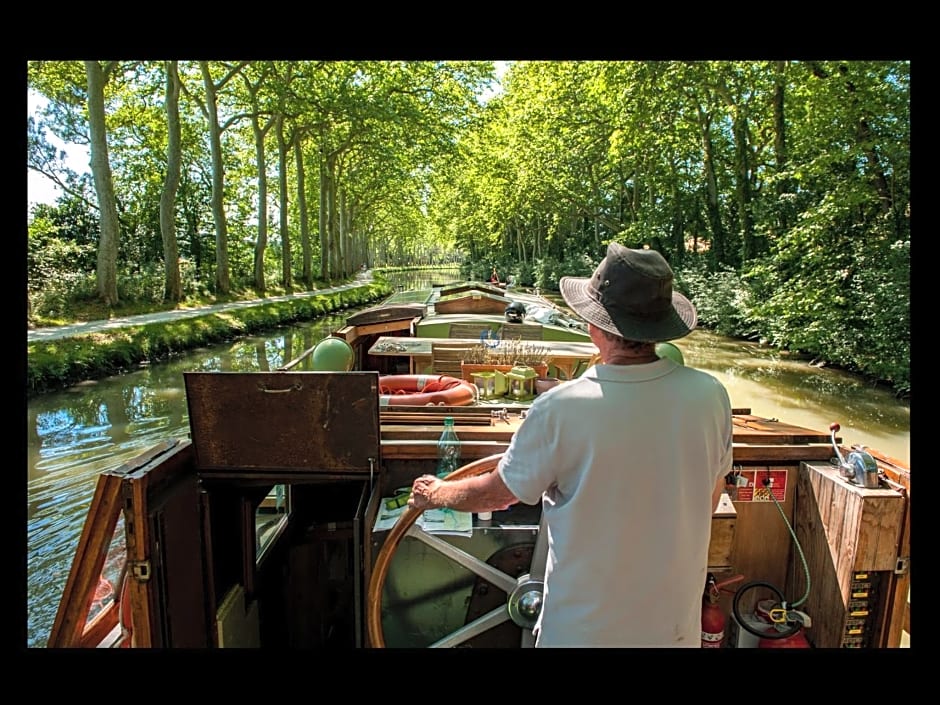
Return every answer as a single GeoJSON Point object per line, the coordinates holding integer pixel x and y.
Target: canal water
{"type": "Point", "coordinates": [75, 434]}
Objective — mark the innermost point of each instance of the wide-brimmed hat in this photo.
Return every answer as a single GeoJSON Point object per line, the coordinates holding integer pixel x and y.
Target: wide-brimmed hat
{"type": "Point", "coordinates": [630, 294]}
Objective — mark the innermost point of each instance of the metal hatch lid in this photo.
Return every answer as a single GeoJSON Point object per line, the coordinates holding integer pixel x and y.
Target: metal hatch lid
{"type": "Point", "coordinates": [387, 312]}
{"type": "Point", "coordinates": [284, 422]}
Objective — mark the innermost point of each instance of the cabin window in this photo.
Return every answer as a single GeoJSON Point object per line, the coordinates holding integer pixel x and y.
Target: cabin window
{"type": "Point", "coordinates": [271, 518]}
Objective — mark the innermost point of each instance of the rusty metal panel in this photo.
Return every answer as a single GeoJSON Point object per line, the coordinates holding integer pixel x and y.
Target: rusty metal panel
{"type": "Point", "coordinates": [317, 422]}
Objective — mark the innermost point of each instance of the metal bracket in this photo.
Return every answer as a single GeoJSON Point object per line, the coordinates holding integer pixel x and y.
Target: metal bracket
{"type": "Point", "coordinates": [140, 570]}
{"type": "Point", "coordinates": [903, 565]}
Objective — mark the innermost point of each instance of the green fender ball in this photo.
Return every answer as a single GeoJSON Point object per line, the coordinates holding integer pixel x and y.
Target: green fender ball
{"type": "Point", "coordinates": [333, 355]}
{"type": "Point", "coordinates": [671, 351]}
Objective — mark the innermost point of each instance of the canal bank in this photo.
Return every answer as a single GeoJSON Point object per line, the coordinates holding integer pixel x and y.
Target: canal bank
{"type": "Point", "coordinates": [63, 355]}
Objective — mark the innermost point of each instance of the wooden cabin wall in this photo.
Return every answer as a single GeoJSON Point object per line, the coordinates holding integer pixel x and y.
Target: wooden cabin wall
{"type": "Point", "coordinates": [361, 338]}
{"type": "Point", "coordinates": [898, 626]}
{"type": "Point", "coordinates": [175, 517]}
{"type": "Point", "coordinates": [762, 540]}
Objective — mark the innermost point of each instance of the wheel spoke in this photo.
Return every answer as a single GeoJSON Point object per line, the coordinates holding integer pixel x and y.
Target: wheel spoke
{"type": "Point", "coordinates": [477, 626]}
{"type": "Point", "coordinates": [481, 568]}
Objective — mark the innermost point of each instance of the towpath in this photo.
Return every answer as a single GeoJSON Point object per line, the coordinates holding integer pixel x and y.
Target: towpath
{"type": "Point", "coordinates": [56, 332]}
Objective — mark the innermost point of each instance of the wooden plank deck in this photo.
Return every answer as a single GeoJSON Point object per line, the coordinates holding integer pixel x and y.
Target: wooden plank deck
{"type": "Point", "coordinates": [477, 423]}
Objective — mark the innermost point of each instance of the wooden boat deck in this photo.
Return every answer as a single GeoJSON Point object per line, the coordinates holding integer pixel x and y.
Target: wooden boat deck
{"type": "Point", "coordinates": [463, 287]}
{"type": "Point", "coordinates": [754, 437]}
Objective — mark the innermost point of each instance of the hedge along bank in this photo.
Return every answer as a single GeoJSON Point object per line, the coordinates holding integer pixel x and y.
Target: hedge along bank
{"type": "Point", "coordinates": [58, 363]}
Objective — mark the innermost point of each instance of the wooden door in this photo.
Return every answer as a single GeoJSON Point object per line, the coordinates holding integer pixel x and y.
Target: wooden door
{"type": "Point", "coordinates": [163, 535]}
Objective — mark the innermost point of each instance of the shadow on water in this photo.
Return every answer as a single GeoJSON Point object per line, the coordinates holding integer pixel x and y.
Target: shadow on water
{"type": "Point", "coordinates": [74, 435]}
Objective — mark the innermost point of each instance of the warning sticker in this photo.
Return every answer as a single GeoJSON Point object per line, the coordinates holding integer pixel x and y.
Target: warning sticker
{"type": "Point", "coordinates": [763, 485]}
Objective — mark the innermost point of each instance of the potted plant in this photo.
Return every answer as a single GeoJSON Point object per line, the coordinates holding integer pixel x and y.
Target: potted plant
{"type": "Point", "coordinates": [503, 356]}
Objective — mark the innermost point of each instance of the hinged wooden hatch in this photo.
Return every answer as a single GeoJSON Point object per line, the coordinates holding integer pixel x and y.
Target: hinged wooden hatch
{"type": "Point", "coordinates": [284, 423]}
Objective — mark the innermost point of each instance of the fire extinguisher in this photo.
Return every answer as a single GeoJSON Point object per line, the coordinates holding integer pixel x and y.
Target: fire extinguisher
{"type": "Point", "coordinates": [782, 626]}
{"type": "Point", "coordinates": [713, 618]}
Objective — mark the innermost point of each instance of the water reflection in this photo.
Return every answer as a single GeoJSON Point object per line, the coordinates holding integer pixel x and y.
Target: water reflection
{"type": "Point", "coordinates": [774, 385]}
{"type": "Point", "coordinates": [74, 435]}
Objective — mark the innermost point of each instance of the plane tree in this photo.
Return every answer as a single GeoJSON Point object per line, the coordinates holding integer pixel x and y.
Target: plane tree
{"type": "Point", "coordinates": [78, 92]}
{"type": "Point", "coordinates": [215, 77]}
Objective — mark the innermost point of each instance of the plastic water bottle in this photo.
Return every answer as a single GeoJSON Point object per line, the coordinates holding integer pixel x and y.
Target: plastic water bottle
{"type": "Point", "coordinates": [448, 449]}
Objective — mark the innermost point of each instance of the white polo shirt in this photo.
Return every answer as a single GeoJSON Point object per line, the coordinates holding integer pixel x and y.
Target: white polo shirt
{"type": "Point", "coordinates": [624, 460]}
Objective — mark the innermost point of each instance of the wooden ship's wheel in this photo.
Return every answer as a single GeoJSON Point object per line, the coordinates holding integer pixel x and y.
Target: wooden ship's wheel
{"type": "Point", "coordinates": [523, 593]}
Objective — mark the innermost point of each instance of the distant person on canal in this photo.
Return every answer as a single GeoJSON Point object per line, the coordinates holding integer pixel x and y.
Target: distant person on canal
{"type": "Point", "coordinates": [628, 461]}
{"type": "Point", "coordinates": [494, 277]}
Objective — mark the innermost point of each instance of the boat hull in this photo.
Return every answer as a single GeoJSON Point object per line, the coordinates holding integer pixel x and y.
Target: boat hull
{"type": "Point", "coordinates": [206, 558]}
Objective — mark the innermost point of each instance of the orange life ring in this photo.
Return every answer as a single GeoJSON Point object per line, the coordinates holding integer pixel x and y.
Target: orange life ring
{"type": "Point", "coordinates": [424, 390]}
{"type": "Point", "coordinates": [103, 592]}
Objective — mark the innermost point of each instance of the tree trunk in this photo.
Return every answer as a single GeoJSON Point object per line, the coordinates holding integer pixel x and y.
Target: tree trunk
{"type": "Point", "coordinates": [780, 145]}
{"type": "Point", "coordinates": [104, 185]}
{"type": "Point", "coordinates": [742, 168]}
{"type": "Point", "coordinates": [302, 212]}
{"type": "Point", "coordinates": [332, 220]}
{"type": "Point", "coordinates": [261, 243]}
{"type": "Point", "coordinates": [287, 277]}
{"type": "Point", "coordinates": [172, 287]}
{"type": "Point", "coordinates": [222, 281]}
{"type": "Point", "coordinates": [324, 219]}
{"type": "Point", "coordinates": [342, 230]}
{"type": "Point", "coordinates": [718, 240]}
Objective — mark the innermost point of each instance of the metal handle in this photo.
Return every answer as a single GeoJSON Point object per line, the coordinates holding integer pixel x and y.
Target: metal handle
{"type": "Point", "coordinates": [296, 387]}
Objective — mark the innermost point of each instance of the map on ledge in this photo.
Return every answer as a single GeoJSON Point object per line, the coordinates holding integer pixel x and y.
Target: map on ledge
{"type": "Point", "coordinates": [432, 521]}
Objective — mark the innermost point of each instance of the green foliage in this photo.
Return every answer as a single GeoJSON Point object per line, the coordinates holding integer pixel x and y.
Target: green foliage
{"type": "Point", "coordinates": [881, 342]}
{"type": "Point", "coordinates": [839, 290]}
{"type": "Point", "coordinates": [721, 298]}
{"type": "Point", "coordinates": [546, 272]}
{"type": "Point", "coordinates": [791, 179]}
{"type": "Point", "coordinates": [58, 245]}
{"type": "Point", "coordinates": [56, 363]}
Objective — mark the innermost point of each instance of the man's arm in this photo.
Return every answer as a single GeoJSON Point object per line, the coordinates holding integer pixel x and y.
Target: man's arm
{"type": "Point", "coordinates": [481, 493]}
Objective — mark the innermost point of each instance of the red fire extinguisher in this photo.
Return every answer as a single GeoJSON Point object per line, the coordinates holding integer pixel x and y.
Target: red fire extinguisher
{"type": "Point", "coordinates": [713, 618]}
{"type": "Point", "coordinates": [787, 627]}
{"type": "Point", "coordinates": [781, 626]}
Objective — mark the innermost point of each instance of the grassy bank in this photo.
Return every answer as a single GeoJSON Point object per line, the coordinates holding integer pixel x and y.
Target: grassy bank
{"type": "Point", "coordinates": [55, 364]}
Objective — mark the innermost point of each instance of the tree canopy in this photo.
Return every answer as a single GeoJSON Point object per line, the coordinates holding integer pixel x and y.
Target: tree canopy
{"type": "Point", "coordinates": [778, 190]}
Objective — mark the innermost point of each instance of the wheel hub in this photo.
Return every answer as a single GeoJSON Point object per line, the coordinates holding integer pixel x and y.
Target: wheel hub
{"type": "Point", "coordinates": [512, 560]}
{"type": "Point", "coordinates": [525, 602]}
